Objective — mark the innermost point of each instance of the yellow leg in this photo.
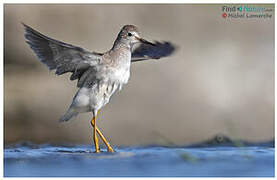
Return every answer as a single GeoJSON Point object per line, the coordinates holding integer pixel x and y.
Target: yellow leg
{"type": "Point", "coordinates": [109, 148]}
{"type": "Point", "coordinates": [95, 139]}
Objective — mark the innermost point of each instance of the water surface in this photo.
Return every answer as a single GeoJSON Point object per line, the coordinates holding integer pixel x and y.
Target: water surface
{"type": "Point", "coordinates": [81, 161]}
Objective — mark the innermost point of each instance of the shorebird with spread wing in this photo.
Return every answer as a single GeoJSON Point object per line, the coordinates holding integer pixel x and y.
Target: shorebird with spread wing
{"type": "Point", "coordinates": [99, 75]}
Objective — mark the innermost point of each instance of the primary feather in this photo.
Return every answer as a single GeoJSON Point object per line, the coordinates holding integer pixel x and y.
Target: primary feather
{"type": "Point", "coordinates": [61, 56]}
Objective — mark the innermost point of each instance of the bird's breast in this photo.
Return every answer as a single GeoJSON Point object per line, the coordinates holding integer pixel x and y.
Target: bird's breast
{"type": "Point", "coordinates": [119, 76]}
{"type": "Point", "coordinates": [119, 71]}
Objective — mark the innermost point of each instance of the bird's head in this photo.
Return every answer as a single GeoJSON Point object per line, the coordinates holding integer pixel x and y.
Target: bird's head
{"type": "Point", "coordinates": [130, 35]}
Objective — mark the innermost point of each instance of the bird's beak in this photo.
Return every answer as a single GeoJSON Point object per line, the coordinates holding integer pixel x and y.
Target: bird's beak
{"type": "Point", "coordinates": [144, 41]}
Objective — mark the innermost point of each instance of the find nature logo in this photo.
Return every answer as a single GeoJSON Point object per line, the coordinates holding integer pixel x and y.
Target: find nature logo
{"type": "Point", "coordinates": [246, 11]}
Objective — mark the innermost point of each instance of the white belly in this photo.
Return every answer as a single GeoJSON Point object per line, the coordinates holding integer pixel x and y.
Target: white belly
{"type": "Point", "coordinates": [88, 99]}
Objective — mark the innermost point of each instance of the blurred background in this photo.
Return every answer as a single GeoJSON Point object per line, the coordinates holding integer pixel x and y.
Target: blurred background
{"type": "Point", "coordinates": [221, 79]}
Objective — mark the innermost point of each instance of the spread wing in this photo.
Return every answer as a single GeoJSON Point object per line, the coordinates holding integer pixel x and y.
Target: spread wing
{"type": "Point", "coordinates": [146, 52]}
{"type": "Point", "coordinates": [61, 56]}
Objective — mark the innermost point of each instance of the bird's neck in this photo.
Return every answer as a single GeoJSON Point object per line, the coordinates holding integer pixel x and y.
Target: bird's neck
{"type": "Point", "coordinates": [123, 53]}
{"type": "Point", "coordinates": [121, 45]}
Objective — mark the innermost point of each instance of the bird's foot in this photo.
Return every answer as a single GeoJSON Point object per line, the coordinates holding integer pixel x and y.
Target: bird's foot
{"type": "Point", "coordinates": [97, 151]}
{"type": "Point", "coordinates": [109, 149]}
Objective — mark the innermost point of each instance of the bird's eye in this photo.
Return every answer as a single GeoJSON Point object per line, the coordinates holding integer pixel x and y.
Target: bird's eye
{"type": "Point", "coordinates": [130, 34]}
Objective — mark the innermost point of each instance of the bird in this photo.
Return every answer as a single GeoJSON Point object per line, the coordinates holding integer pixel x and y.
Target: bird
{"type": "Point", "coordinates": [99, 75]}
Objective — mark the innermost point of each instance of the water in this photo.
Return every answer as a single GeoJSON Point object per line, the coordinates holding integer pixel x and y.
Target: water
{"type": "Point", "coordinates": [150, 161]}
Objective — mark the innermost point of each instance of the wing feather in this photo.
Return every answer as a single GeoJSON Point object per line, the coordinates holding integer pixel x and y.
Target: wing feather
{"type": "Point", "coordinates": [59, 55]}
{"type": "Point", "coordinates": [159, 50]}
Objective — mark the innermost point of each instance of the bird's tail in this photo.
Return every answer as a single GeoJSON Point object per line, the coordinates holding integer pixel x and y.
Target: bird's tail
{"type": "Point", "coordinates": [68, 115]}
